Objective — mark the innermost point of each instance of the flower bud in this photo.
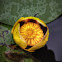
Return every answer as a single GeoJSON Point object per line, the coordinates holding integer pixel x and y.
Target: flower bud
{"type": "Point", "coordinates": [30, 33]}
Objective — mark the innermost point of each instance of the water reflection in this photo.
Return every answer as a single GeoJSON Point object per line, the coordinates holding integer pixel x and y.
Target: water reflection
{"type": "Point", "coordinates": [45, 55]}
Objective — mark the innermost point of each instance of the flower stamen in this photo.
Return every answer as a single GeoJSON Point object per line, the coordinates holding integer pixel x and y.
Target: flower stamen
{"type": "Point", "coordinates": [32, 33]}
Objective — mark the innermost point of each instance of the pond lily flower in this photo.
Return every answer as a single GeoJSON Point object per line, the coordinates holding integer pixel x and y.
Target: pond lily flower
{"type": "Point", "coordinates": [30, 33]}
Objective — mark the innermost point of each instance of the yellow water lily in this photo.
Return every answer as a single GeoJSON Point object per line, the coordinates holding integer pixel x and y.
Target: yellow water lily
{"type": "Point", "coordinates": [30, 33]}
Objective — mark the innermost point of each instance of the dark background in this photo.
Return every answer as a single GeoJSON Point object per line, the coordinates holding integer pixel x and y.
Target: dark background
{"type": "Point", "coordinates": [55, 38]}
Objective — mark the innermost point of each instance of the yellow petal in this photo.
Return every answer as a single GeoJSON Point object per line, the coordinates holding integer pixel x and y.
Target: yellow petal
{"type": "Point", "coordinates": [18, 38]}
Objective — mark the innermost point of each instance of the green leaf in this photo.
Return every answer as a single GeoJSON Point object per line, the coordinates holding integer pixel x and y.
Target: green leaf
{"type": "Point", "coordinates": [2, 54]}
{"type": "Point", "coordinates": [12, 10]}
{"type": "Point", "coordinates": [2, 58]}
{"type": "Point", "coordinates": [28, 60]}
{"type": "Point", "coordinates": [5, 35]}
{"type": "Point", "coordinates": [5, 40]}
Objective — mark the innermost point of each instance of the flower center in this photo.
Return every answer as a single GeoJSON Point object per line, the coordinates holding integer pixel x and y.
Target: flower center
{"type": "Point", "coordinates": [32, 33]}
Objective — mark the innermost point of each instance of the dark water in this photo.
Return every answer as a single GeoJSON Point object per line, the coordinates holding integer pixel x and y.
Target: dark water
{"type": "Point", "coordinates": [45, 55]}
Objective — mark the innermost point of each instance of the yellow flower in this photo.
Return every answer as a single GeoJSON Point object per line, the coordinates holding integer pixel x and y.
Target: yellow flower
{"type": "Point", "coordinates": [30, 32]}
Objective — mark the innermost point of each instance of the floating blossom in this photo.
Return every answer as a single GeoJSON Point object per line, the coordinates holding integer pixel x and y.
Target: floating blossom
{"type": "Point", "coordinates": [30, 33]}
